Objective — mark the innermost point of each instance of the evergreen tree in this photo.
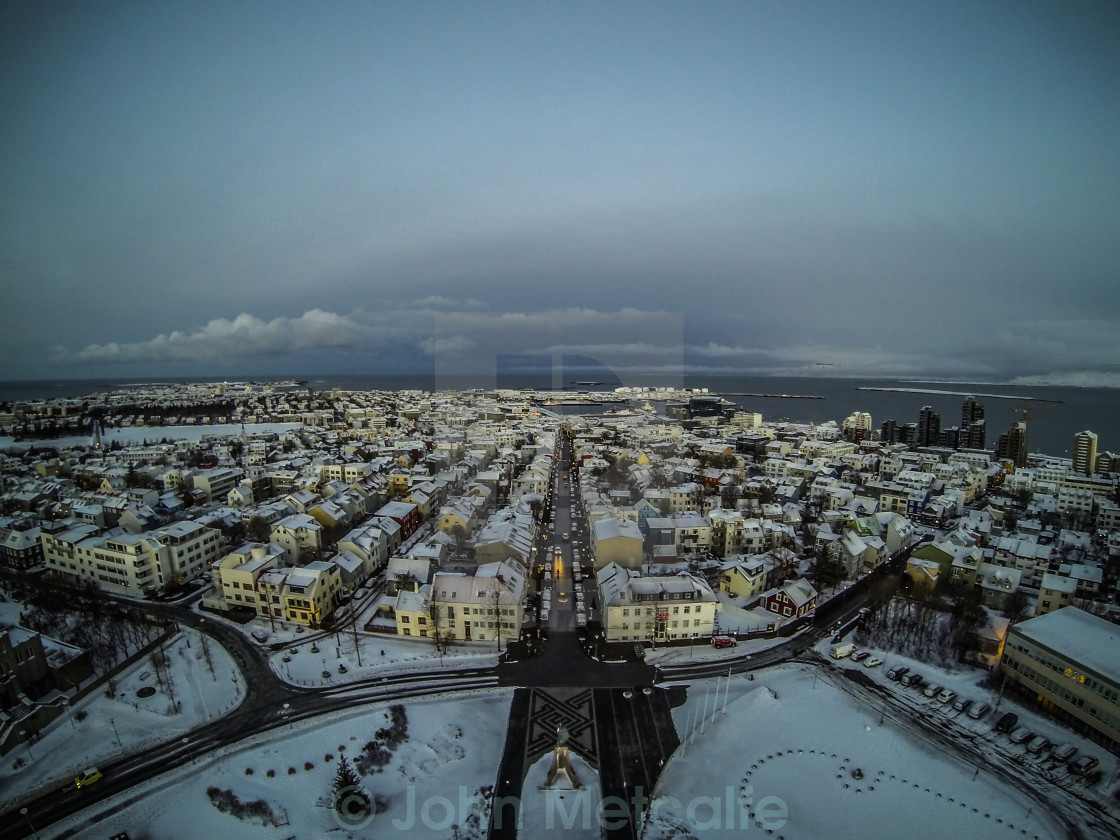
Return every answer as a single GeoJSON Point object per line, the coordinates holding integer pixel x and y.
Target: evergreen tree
{"type": "Point", "coordinates": [345, 778]}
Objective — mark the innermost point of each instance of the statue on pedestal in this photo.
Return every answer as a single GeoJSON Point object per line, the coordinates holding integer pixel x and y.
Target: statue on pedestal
{"type": "Point", "coordinates": [561, 775]}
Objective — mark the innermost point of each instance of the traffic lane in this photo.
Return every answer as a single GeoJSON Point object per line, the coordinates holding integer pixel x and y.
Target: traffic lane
{"type": "Point", "coordinates": [511, 769]}
{"type": "Point", "coordinates": [636, 736]}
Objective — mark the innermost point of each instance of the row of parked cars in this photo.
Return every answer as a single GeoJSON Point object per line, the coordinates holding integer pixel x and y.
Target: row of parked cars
{"type": "Point", "coordinates": [1008, 724]}
{"type": "Point", "coordinates": [840, 651]}
{"type": "Point", "coordinates": [902, 674]}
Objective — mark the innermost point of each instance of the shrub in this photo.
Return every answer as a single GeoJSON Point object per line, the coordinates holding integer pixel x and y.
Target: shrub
{"type": "Point", "coordinates": [227, 802]}
{"type": "Point", "coordinates": [270, 773]}
{"type": "Point", "coordinates": [291, 771]}
{"type": "Point", "coordinates": [307, 765]}
{"type": "Point", "coordinates": [248, 771]}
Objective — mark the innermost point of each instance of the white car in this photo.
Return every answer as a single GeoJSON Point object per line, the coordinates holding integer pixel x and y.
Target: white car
{"type": "Point", "coordinates": [872, 662]}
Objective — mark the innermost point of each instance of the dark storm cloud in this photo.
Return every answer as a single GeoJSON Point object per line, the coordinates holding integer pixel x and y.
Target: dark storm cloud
{"type": "Point", "coordinates": [885, 189]}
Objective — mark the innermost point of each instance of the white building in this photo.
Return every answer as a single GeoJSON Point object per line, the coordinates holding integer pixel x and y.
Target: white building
{"type": "Point", "coordinates": [658, 608]}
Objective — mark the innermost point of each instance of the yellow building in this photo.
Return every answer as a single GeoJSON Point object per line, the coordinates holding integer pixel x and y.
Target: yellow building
{"type": "Point", "coordinates": [744, 579]}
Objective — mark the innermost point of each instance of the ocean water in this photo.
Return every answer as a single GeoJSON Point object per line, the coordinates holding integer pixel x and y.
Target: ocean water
{"type": "Point", "coordinates": [1056, 413]}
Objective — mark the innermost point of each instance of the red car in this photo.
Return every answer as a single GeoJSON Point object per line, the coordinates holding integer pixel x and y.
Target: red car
{"type": "Point", "coordinates": [723, 641]}
{"type": "Point", "coordinates": [862, 655]}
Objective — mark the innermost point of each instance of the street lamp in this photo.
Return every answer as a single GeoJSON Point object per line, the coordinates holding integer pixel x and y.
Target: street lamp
{"type": "Point", "coordinates": [29, 823]}
{"type": "Point", "coordinates": [287, 709]}
{"type": "Point", "coordinates": [66, 705]}
{"type": "Point", "coordinates": [26, 740]}
{"type": "Point", "coordinates": [113, 724]}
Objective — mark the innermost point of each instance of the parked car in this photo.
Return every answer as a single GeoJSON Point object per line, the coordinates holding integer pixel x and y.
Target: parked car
{"type": "Point", "coordinates": [861, 655]}
{"type": "Point", "coordinates": [979, 710]}
{"type": "Point", "coordinates": [1084, 764]}
{"type": "Point", "coordinates": [88, 777]}
{"type": "Point", "coordinates": [912, 679]}
{"type": "Point", "coordinates": [872, 662]}
{"type": "Point", "coordinates": [897, 672]}
{"type": "Point", "coordinates": [932, 690]}
{"type": "Point", "coordinates": [1038, 744]}
{"type": "Point", "coordinates": [1064, 752]}
{"type": "Point", "coordinates": [962, 704]}
{"type": "Point", "coordinates": [1008, 722]}
{"type": "Point", "coordinates": [723, 641]}
{"type": "Point", "coordinates": [946, 695]}
{"type": "Point", "coordinates": [1021, 735]}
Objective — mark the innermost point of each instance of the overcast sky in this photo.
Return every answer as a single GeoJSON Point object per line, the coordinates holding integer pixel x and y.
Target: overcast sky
{"type": "Point", "coordinates": [892, 189]}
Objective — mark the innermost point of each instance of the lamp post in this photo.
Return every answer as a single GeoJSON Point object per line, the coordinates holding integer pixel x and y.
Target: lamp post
{"type": "Point", "coordinates": [26, 740]}
{"type": "Point", "coordinates": [66, 706]}
{"type": "Point", "coordinates": [287, 709]}
{"type": "Point", "coordinates": [29, 823]}
{"type": "Point", "coordinates": [113, 724]}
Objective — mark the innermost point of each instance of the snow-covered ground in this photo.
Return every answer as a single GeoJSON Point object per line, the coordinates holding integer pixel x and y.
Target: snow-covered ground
{"type": "Point", "coordinates": [100, 726]}
{"type": "Point", "coordinates": [704, 651]}
{"type": "Point", "coordinates": [437, 778]}
{"type": "Point", "coordinates": [974, 683]}
{"type": "Point", "coordinates": [560, 811]}
{"type": "Point", "coordinates": [778, 755]}
{"type": "Point", "coordinates": [307, 654]}
{"type": "Point", "coordinates": [304, 662]}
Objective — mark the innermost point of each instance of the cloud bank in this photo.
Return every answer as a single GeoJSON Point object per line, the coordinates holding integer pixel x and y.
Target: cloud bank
{"type": "Point", "coordinates": [464, 336]}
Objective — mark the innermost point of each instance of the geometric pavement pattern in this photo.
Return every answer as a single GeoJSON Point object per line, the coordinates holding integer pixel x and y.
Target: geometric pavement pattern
{"type": "Point", "coordinates": [550, 709]}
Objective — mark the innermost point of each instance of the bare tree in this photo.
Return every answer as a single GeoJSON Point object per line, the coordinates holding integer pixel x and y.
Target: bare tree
{"type": "Point", "coordinates": [439, 635]}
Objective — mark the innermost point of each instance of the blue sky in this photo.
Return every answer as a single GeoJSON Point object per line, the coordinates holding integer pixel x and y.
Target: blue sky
{"type": "Point", "coordinates": [892, 189]}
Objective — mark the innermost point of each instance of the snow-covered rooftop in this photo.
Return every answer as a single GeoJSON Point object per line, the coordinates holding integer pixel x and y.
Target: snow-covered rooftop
{"type": "Point", "coordinates": [1081, 637]}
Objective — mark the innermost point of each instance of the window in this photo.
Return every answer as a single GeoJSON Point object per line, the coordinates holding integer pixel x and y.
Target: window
{"type": "Point", "coordinates": [404, 619]}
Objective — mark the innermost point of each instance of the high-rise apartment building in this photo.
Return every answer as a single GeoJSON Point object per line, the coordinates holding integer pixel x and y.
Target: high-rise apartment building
{"type": "Point", "coordinates": [888, 433]}
{"type": "Point", "coordinates": [971, 411]}
{"type": "Point", "coordinates": [975, 436]}
{"type": "Point", "coordinates": [1085, 452]}
{"type": "Point", "coordinates": [1012, 445]}
{"type": "Point", "coordinates": [929, 427]}
{"type": "Point", "coordinates": [973, 430]}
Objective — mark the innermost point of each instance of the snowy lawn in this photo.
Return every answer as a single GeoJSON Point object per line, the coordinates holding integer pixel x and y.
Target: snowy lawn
{"type": "Point", "coordinates": [796, 756]}
{"type": "Point", "coordinates": [439, 775]}
{"type": "Point", "coordinates": [347, 657]}
{"type": "Point", "coordinates": [186, 693]}
{"type": "Point", "coordinates": [305, 661]}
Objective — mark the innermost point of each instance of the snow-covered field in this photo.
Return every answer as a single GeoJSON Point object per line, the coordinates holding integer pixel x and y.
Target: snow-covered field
{"type": "Point", "coordinates": [192, 694]}
{"type": "Point", "coordinates": [307, 655]}
{"type": "Point", "coordinates": [438, 777]}
{"type": "Point", "coordinates": [784, 756]}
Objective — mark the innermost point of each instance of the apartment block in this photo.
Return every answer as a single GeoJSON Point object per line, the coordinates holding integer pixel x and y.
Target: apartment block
{"type": "Point", "coordinates": [1065, 662]}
